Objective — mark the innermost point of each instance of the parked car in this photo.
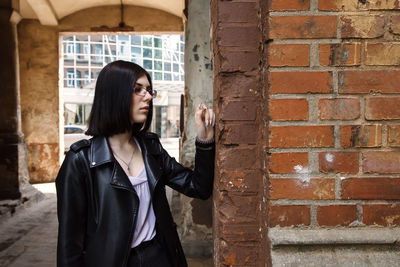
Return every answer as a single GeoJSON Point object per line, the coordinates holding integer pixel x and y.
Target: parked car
{"type": "Point", "coordinates": [73, 133]}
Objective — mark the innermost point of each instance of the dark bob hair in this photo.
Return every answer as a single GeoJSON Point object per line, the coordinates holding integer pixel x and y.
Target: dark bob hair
{"type": "Point", "coordinates": [112, 100]}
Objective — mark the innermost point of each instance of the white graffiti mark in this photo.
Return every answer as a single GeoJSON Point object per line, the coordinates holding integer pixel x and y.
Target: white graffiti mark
{"type": "Point", "coordinates": [304, 174]}
{"type": "Point", "coordinates": [329, 157]}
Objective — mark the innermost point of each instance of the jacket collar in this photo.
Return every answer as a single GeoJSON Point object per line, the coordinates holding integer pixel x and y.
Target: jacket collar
{"type": "Point", "coordinates": [101, 153]}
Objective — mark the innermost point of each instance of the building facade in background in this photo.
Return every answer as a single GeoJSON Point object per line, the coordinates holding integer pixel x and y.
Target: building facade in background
{"type": "Point", "coordinates": [83, 57]}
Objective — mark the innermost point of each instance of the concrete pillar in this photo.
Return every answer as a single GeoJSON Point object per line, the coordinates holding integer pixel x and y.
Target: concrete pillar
{"type": "Point", "coordinates": [194, 218]}
{"type": "Point", "coordinates": [10, 122]}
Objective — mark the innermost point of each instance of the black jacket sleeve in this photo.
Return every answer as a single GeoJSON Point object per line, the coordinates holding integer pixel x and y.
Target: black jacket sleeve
{"type": "Point", "coordinates": [71, 211]}
{"type": "Point", "coordinates": [193, 183]}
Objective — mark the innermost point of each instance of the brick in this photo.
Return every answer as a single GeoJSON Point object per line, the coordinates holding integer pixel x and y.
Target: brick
{"type": "Point", "coordinates": [382, 54]}
{"type": "Point", "coordinates": [382, 108]}
{"type": "Point", "coordinates": [237, 12]}
{"type": "Point", "coordinates": [289, 5]}
{"type": "Point", "coordinates": [238, 253]}
{"type": "Point", "coordinates": [339, 109]}
{"type": "Point", "coordinates": [245, 133]}
{"type": "Point", "coordinates": [365, 82]}
{"type": "Point", "coordinates": [302, 188]}
{"type": "Point", "coordinates": [237, 159]}
{"type": "Point", "coordinates": [238, 110]}
{"type": "Point", "coordinates": [336, 215]}
{"type": "Point", "coordinates": [288, 215]}
{"type": "Point", "coordinates": [382, 5]}
{"type": "Point", "coordinates": [371, 188]}
{"type": "Point", "coordinates": [337, 5]}
{"type": "Point", "coordinates": [381, 214]}
{"type": "Point", "coordinates": [233, 61]}
{"type": "Point", "coordinates": [361, 136]}
{"type": "Point", "coordinates": [394, 135]}
{"type": "Point", "coordinates": [395, 24]}
{"type": "Point", "coordinates": [288, 109]}
{"type": "Point", "coordinates": [239, 232]}
{"type": "Point", "coordinates": [338, 162]}
{"type": "Point", "coordinates": [381, 162]}
{"type": "Point", "coordinates": [362, 26]}
{"type": "Point", "coordinates": [292, 55]}
{"type": "Point", "coordinates": [301, 136]}
{"type": "Point", "coordinates": [238, 85]}
{"type": "Point", "coordinates": [302, 27]}
{"type": "Point", "coordinates": [288, 162]}
{"type": "Point", "coordinates": [240, 36]}
{"type": "Point", "coordinates": [344, 54]}
{"type": "Point", "coordinates": [300, 82]}
{"type": "Point", "coordinates": [241, 181]}
{"type": "Point", "coordinates": [237, 208]}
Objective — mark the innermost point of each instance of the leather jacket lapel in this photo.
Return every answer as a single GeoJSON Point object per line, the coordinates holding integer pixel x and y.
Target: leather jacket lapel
{"type": "Point", "coordinates": [153, 167]}
{"type": "Point", "coordinates": [100, 153]}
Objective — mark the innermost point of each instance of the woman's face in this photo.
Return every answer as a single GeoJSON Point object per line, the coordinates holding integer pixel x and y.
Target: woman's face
{"type": "Point", "coordinates": [140, 101]}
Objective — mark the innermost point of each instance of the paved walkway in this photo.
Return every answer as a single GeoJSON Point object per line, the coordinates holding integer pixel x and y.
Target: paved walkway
{"type": "Point", "coordinates": [30, 237]}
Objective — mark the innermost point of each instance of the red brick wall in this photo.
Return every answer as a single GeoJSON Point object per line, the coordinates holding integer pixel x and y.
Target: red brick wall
{"type": "Point", "coordinates": [240, 102]}
{"type": "Point", "coordinates": [334, 110]}
{"type": "Point", "coordinates": [307, 95]}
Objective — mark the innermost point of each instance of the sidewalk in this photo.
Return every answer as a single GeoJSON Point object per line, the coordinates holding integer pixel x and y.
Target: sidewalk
{"type": "Point", "coordinates": [29, 238]}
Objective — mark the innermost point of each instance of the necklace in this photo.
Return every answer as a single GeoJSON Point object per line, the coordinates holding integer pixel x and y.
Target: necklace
{"type": "Point", "coordinates": [127, 164]}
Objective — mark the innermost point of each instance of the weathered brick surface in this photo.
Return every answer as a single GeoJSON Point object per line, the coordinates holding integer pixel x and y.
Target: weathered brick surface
{"type": "Point", "coordinates": [248, 181]}
{"type": "Point", "coordinates": [336, 215]}
{"type": "Point", "coordinates": [239, 36]}
{"type": "Point", "coordinates": [302, 188]}
{"type": "Point", "coordinates": [361, 136]}
{"type": "Point", "coordinates": [237, 12]}
{"type": "Point", "coordinates": [289, 215]}
{"type": "Point", "coordinates": [383, 214]}
{"type": "Point", "coordinates": [336, 5]}
{"type": "Point", "coordinates": [279, 5]}
{"type": "Point", "coordinates": [288, 109]}
{"type": "Point", "coordinates": [364, 82]}
{"type": "Point", "coordinates": [338, 162]}
{"type": "Point", "coordinates": [371, 188]}
{"type": "Point", "coordinates": [237, 208]}
{"type": "Point", "coordinates": [394, 135]}
{"type": "Point", "coordinates": [301, 136]}
{"type": "Point", "coordinates": [381, 162]}
{"type": "Point", "coordinates": [307, 27]}
{"type": "Point", "coordinates": [382, 54]}
{"type": "Point", "coordinates": [382, 108]}
{"type": "Point", "coordinates": [294, 55]}
{"type": "Point", "coordinates": [238, 254]}
{"type": "Point", "coordinates": [300, 82]}
{"type": "Point", "coordinates": [395, 24]}
{"type": "Point", "coordinates": [239, 61]}
{"type": "Point", "coordinates": [362, 26]}
{"type": "Point", "coordinates": [245, 133]}
{"type": "Point", "coordinates": [239, 110]}
{"type": "Point", "coordinates": [344, 54]}
{"type": "Point", "coordinates": [236, 232]}
{"type": "Point", "coordinates": [238, 85]}
{"type": "Point", "coordinates": [239, 159]}
{"type": "Point", "coordinates": [288, 162]}
{"type": "Point", "coordinates": [339, 109]}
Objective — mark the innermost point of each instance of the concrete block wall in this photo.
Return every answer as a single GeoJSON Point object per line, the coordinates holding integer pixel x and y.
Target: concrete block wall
{"type": "Point", "coordinates": [334, 113]}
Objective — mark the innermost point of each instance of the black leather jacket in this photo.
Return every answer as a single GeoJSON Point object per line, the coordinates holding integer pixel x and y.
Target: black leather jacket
{"type": "Point", "coordinates": [97, 205]}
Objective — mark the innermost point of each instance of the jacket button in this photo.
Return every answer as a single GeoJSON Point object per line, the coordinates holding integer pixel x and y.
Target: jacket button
{"type": "Point", "coordinates": [93, 163]}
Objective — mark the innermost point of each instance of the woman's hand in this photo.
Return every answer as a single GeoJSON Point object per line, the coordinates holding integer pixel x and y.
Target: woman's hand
{"type": "Point", "coordinates": [205, 121]}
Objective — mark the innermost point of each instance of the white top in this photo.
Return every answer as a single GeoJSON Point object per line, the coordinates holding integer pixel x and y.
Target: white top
{"type": "Point", "coordinates": [145, 221]}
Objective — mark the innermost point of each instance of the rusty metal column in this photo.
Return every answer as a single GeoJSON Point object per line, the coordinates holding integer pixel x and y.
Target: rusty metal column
{"type": "Point", "coordinates": [240, 99]}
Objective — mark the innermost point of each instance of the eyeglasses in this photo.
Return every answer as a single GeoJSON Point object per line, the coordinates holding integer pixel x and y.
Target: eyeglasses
{"type": "Point", "coordinates": [141, 91]}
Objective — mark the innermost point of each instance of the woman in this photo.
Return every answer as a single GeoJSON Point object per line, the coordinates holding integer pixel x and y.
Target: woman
{"type": "Point", "coordinates": [112, 207]}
